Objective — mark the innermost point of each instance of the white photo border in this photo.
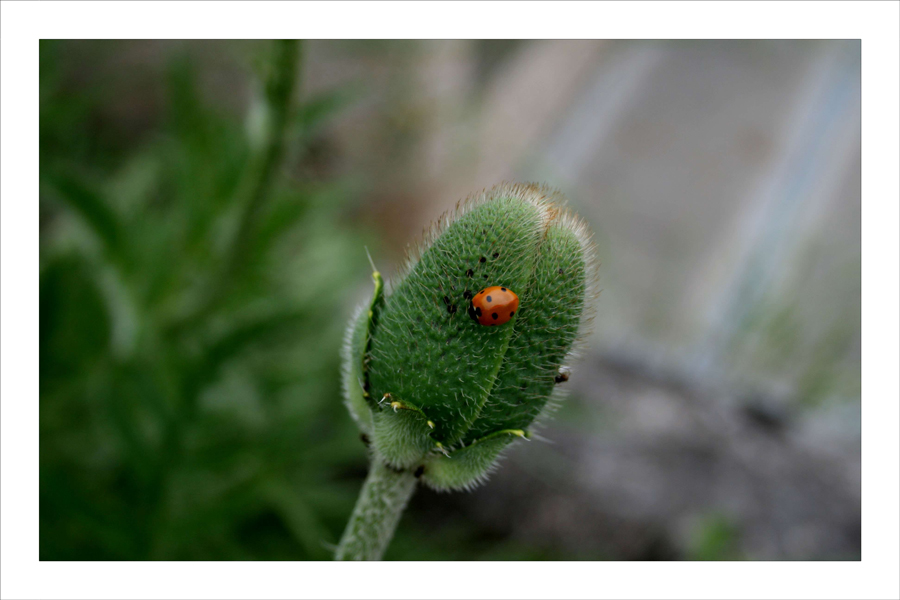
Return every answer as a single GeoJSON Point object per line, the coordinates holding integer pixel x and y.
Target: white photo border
{"type": "Point", "coordinates": [875, 23]}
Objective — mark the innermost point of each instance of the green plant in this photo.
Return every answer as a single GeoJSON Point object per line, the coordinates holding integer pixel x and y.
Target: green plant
{"type": "Point", "coordinates": [188, 334]}
{"type": "Point", "coordinates": [714, 537]}
{"type": "Point", "coordinates": [439, 396]}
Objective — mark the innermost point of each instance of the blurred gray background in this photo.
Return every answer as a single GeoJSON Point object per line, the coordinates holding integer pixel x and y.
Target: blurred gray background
{"type": "Point", "coordinates": [716, 407]}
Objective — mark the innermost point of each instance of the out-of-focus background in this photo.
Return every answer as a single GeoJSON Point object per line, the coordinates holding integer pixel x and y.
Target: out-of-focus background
{"type": "Point", "coordinates": [196, 274]}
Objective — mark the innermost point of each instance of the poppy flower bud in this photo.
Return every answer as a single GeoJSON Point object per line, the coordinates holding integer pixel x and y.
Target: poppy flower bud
{"type": "Point", "coordinates": [441, 392]}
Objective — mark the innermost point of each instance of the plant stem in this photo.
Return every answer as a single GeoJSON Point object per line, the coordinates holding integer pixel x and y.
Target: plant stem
{"type": "Point", "coordinates": [279, 91]}
{"type": "Point", "coordinates": [262, 170]}
{"type": "Point", "coordinates": [381, 502]}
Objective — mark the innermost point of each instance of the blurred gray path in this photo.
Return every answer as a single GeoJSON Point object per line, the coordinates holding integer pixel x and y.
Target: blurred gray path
{"type": "Point", "coordinates": [720, 389]}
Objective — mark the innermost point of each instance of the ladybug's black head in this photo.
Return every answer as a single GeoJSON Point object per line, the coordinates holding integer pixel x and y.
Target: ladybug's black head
{"type": "Point", "coordinates": [474, 312]}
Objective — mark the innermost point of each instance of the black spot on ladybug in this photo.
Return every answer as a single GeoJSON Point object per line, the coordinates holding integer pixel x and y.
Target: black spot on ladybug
{"type": "Point", "coordinates": [561, 377]}
{"type": "Point", "coordinates": [502, 289]}
{"type": "Point", "coordinates": [482, 259]}
{"type": "Point", "coordinates": [496, 316]}
{"type": "Point", "coordinates": [496, 254]}
{"type": "Point", "coordinates": [419, 470]}
{"type": "Point", "coordinates": [511, 313]}
{"type": "Point", "coordinates": [469, 273]}
{"type": "Point", "coordinates": [488, 299]}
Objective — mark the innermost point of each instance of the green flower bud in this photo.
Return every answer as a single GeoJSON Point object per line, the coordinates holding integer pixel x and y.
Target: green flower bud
{"type": "Point", "coordinates": [435, 391]}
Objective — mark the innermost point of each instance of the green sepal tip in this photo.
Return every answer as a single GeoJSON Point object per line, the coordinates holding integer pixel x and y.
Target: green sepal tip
{"type": "Point", "coordinates": [470, 465]}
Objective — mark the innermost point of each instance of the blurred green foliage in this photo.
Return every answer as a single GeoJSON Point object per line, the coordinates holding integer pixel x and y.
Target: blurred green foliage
{"type": "Point", "coordinates": [714, 537]}
{"type": "Point", "coordinates": [193, 291]}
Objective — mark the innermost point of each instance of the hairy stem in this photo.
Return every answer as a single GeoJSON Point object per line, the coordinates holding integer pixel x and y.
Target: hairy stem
{"type": "Point", "coordinates": [381, 502]}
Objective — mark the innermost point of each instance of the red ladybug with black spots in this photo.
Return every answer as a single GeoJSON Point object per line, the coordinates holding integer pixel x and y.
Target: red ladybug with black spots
{"type": "Point", "coordinates": [494, 305]}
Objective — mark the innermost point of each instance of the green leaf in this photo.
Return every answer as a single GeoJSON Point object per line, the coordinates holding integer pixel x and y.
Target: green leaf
{"type": "Point", "coordinates": [91, 206]}
{"type": "Point", "coordinates": [352, 353]}
{"type": "Point", "coordinates": [74, 320]}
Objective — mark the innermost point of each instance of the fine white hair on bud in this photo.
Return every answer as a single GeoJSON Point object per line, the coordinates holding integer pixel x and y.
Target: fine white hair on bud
{"type": "Point", "coordinates": [462, 388]}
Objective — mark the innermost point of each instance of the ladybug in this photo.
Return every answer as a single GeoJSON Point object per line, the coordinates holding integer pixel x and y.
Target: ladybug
{"type": "Point", "coordinates": [494, 305]}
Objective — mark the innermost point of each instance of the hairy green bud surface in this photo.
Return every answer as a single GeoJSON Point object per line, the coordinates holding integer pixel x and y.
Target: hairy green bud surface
{"type": "Point", "coordinates": [441, 395]}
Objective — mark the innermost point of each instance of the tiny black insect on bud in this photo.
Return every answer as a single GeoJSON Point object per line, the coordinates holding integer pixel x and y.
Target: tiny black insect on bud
{"type": "Point", "coordinates": [562, 376]}
{"type": "Point", "coordinates": [365, 439]}
{"type": "Point", "coordinates": [419, 470]}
